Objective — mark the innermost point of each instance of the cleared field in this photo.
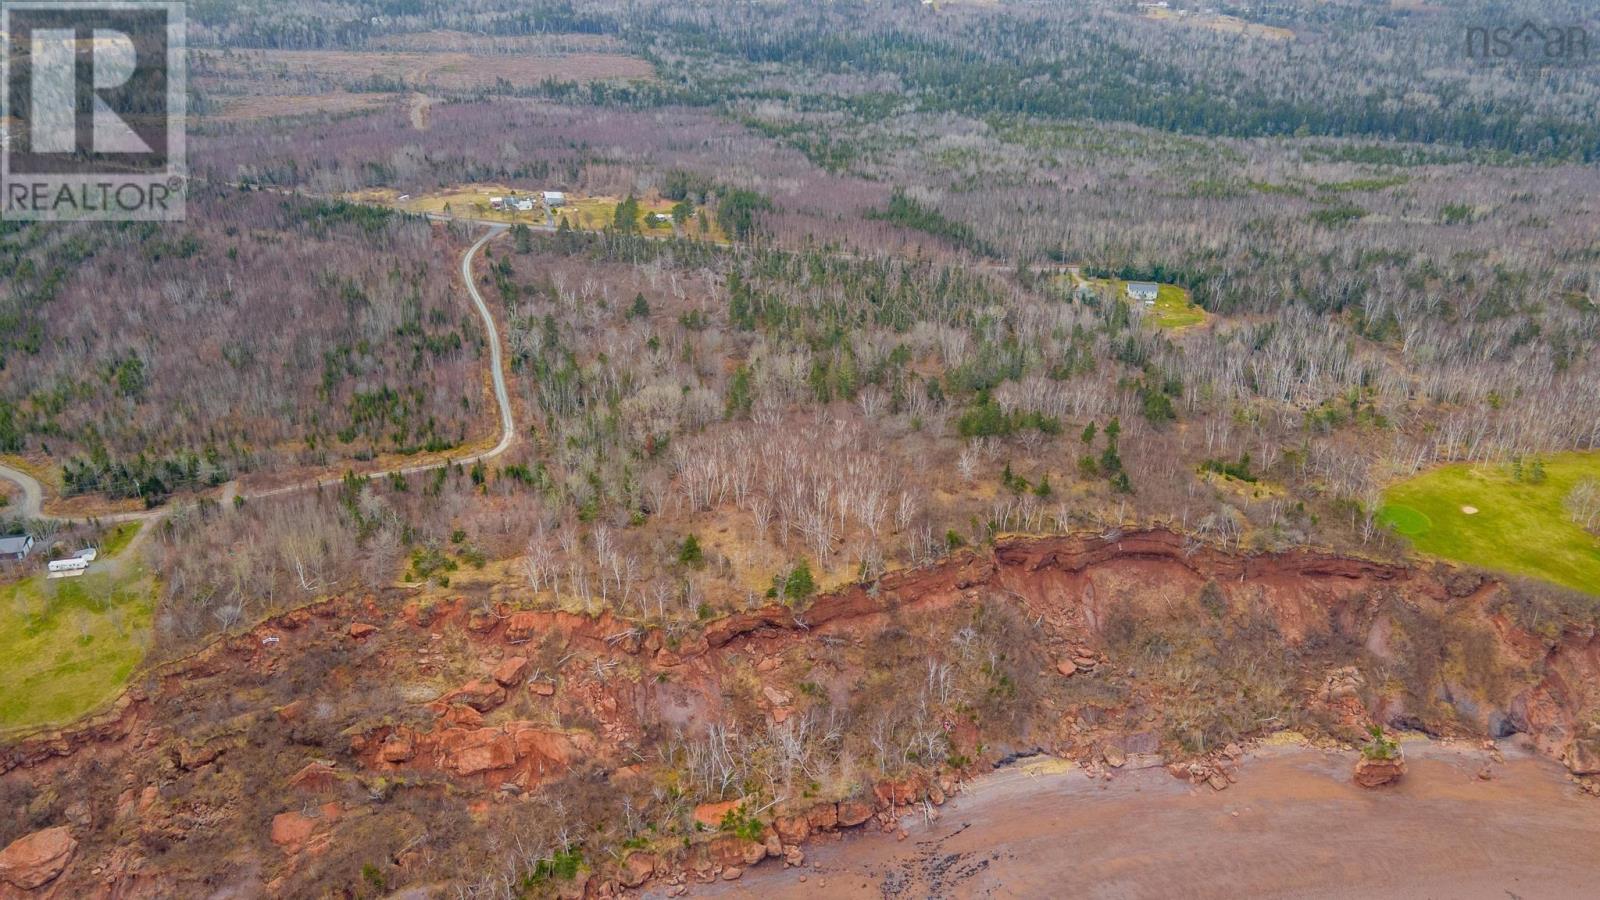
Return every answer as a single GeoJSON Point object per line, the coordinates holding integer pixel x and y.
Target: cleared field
{"type": "Point", "coordinates": [654, 216]}
{"type": "Point", "coordinates": [1486, 516]}
{"type": "Point", "coordinates": [1173, 310]}
{"type": "Point", "coordinates": [417, 70]}
{"type": "Point", "coordinates": [275, 107]}
{"type": "Point", "coordinates": [1223, 23]}
{"type": "Point", "coordinates": [463, 42]}
{"type": "Point", "coordinates": [68, 645]}
{"type": "Point", "coordinates": [464, 200]}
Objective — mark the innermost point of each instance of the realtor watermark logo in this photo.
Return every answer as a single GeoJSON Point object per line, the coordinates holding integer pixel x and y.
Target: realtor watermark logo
{"type": "Point", "coordinates": [1530, 43]}
{"type": "Point", "coordinates": [94, 110]}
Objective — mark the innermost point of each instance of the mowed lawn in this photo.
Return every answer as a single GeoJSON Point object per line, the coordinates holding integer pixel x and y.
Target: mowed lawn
{"type": "Point", "coordinates": [1174, 309]}
{"type": "Point", "coordinates": [1520, 526]}
{"type": "Point", "coordinates": [68, 645]}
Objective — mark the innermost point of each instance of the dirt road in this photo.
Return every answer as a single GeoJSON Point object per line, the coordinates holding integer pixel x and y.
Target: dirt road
{"type": "Point", "coordinates": [32, 493]}
{"type": "Point", "coordinates": [1294, 826]}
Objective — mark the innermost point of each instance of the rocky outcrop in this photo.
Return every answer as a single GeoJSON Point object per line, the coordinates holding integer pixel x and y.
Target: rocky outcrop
{"type": "Point", "coordinates": [853, 812]}
{"type": "Point", "coordinates": [517, 752]}
{"type": "Point", "coordinates": [604, 687]}
{"type": "Point", "coordinates": [34, 860]}
{"type": "Point", "coordinates": [1372, 773]}
{"type": "Point", "coordinates": [636, 869]}
{"type": "Point", "coordinates": [480, 695]}
{"type": "Point", "coordinates": [511, 671]}
{"type": "Point", "coordinates": [292, 829]}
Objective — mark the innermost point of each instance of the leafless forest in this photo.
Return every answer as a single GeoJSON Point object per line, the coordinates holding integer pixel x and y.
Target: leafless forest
{"type": "Point", "coordinates": [1396, 247]}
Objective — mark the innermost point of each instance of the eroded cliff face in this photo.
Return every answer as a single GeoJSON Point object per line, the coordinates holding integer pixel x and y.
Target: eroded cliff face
{"type": "Point", "coordinates": [371, 735]}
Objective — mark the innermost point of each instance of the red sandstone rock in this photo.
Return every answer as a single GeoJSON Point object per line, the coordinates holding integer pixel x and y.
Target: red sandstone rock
{"type": "Point", "coordinates": [900, 793]}
{"type": "Point", "coordinates": [1584, 757]}
{"type": "Point", "coordinates": [710, 814]}
{"type": "Point", "coordinates": [289, 712]}
{"type": "Point", "coordinates": [398, 747]}
{"type": "Point", "coordinates": [291, 829]}
{"type": "Point", "coordinates": [854, 812]}
{"type": "Point", "coordinates": [522, 627]}
{"type": "Point", "coordinates": [360, 630]}
{"type": "Point", "coordinates": [636, 869]}
{"type": "Point", "coordinates": [823, 817]}
{"type": "Point", "coordinates": [462, 716]}
{"type": "Point", "coordinates": [479, 751]}
{"type": "Point", "coordinates": [732, 850]}
{"type": "Point", "coordinates": [480, 695]}
{"type": "Point", "coordinates": [1379, 772]}
{"type": "Point", "coordinates": [34, 860]}
{"type": "Point", "coordinates": [511, 672]}
{"type": "Point", "coordinates": [314, 776]}
{"type": "Point", "coordinates": [191, 757]}
{"type": "Point", "coordinates": [792, 829]}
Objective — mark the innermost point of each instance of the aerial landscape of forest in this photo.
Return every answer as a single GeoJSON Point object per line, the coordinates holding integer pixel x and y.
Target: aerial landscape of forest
{"type": "Point", "coordinates": [678, 447]}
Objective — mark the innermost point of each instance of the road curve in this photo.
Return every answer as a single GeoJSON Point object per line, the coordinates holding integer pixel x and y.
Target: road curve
{"type": "Point", "coordinates": [33, 494]}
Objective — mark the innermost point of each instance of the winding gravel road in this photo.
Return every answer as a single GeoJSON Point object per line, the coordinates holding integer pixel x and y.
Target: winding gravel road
{"type": "Point", "coordinates": [33, 493]}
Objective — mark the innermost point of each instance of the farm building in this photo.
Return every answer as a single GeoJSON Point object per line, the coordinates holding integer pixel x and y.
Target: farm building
{"type": "Point", "coordinates": [497, 203]}
{"type": "Point", "coordinates": [553, 199]}
{"type": "Point", "coordinates": [16, 546]}
{"type": "Point", "coordinates": [1144, 291]}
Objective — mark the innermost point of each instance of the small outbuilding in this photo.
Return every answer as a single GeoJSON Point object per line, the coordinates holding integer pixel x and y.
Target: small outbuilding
{"type": "Point", "coordinates": [14, 547]}
{"type": "Point", "coordinates": [1143, 291]}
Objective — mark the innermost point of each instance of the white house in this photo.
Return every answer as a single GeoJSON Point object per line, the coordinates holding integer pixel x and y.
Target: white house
{"type": "Point", "coordinates": [497, 202]}
{"type": "Point", "coordinates": [524, 204]}
{"type": "Point", "coordinates": [16, 546]}
{"type": "Point", "coordinates": [553, 199]}
{"type": "Point", "coordinates": [1144, 291]}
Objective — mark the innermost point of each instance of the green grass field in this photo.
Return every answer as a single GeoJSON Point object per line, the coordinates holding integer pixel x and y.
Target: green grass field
{"type": "Point", "coordinates": [1173, 310]}
{"type": "Point", "coordinates": [1520, 527]}
{"type": "Point", "coordinates": [68, 645]}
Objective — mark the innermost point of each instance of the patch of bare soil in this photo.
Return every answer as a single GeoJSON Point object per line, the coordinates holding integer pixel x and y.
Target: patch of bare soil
{"type": "Point", "coordinates": [1295, 825]}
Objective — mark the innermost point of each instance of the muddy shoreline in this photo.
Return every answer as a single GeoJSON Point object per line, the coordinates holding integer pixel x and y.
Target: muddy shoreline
{"type": "Point", "coordinates": [1294, 825]}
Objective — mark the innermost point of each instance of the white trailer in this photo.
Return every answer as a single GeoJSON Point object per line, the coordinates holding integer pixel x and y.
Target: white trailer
{"type": "Point", "coordinates": [70, 564]}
